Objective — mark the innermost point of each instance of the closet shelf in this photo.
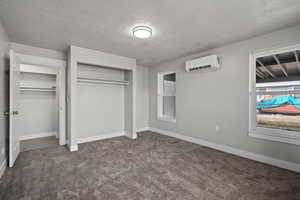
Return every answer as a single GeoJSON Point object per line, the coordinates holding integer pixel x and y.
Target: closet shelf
{"type": "Point", "coordinates": [102, 81]}
{"type": "Point", "coordinates": [53, 89]}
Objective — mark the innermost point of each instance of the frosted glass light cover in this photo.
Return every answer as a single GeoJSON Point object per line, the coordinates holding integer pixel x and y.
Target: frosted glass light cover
{"type": "Point", "coordinates": [142, 32]}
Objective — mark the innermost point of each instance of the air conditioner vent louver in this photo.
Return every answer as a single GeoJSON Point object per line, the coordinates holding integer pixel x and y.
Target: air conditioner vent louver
{"type": "Point", "coordinates": [200, 67]}
{"type": "Point", "coordinates": [211, 61]}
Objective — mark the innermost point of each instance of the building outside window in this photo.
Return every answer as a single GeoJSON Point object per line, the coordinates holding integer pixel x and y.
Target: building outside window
{"type": "Point", "coordinates": [275, 95]}
{"type": "Point", "coordinates": [166, 97]}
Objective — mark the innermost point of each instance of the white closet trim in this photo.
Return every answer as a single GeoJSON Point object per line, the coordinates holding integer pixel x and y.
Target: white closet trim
{"type": "Point", "coordinates": [78, 55]}
{"type": "Point", "coordinates": [44, 65]}
{"type": "Point", "coordinates": [100, 137]}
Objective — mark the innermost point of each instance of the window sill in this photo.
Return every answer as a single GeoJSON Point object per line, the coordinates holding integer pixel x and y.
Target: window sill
{"type": "Point", "coordinates": [290, 137]}
{"type": "Point", "coordinates": [167, 119]}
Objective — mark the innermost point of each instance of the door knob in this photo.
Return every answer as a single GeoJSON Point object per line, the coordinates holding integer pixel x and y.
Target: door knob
{"type": "Point", "coordinates": [6, 113]}
{"type": "Point", "coordinates": [15, 112]}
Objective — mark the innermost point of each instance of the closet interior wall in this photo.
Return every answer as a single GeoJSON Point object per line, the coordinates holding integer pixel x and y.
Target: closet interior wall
{"type": "Point", "coordinates": [100, 106]}
{"type": "Point", "coordinates": [38, 105]}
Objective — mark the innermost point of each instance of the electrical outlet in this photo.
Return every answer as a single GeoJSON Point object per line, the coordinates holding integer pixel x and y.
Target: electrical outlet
{"type": "Point", "coordinates": [2, 151]}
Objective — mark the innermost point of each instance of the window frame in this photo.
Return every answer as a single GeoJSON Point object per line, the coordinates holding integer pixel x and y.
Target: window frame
{"type": "Point", "coordinates": [279, 135]}
{"type": "Point", "coordinates": [160, 92]}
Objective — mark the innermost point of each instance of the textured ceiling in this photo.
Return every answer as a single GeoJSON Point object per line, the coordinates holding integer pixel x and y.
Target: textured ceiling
{"type": "Point", "coordinates": [180, 27]}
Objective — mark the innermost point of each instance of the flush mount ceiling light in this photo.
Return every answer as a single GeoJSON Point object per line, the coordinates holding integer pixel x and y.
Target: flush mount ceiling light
{"type": "Point", "coordinates": [142, 32]}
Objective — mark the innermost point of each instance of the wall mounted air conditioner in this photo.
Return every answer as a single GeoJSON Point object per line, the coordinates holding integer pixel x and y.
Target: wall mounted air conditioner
{"type": "Point", "coordinates": [211, 61]}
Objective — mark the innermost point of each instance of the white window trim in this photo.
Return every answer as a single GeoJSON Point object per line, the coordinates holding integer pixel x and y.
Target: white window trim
{"type": "Point", "coordinates": [160, 99]}
{"type": "Point", "coordinates": [291, 137]}
{"type": "Point", "coordinates": [167, 119]}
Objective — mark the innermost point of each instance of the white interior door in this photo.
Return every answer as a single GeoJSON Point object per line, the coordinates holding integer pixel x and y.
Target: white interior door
{"type": "Point", "coordinates": [14, 77]}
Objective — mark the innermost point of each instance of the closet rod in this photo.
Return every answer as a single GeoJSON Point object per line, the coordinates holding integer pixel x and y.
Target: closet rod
{"type": "Point", "coordinates": [102, 81]}
{"type": "Point", "coordinates": [53, 89]}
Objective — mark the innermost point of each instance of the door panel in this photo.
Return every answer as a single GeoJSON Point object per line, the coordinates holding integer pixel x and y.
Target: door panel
{"type": "Point", "coordinates": [14, 92]}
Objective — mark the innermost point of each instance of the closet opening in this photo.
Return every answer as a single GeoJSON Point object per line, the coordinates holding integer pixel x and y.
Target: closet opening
{"type": "Point", "coordinates": [38, 109]}
{"type": "Point", "coordinates": [37, 104]}
{"type": "Point", "coordinates": [102, 102]}
{"type": "Point", "coordinates": [101, 95]}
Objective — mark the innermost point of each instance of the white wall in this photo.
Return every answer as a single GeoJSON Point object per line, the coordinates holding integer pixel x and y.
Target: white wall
{"type": "Point", "coordinates": [4, 66]}
{"type": "Point", "coordinates": [142, 97]}
{"type": "Point", "coordinates": [100, 107]}
{"type": "Point", "coordinates": [38, 110]}
{"type": "Point", "coordinates": [206, 99]}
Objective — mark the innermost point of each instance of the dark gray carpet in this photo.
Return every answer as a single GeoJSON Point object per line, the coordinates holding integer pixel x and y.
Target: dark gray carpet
{"type": "Point", "coordinates": [151, 167]}
{"type": "Point", "coordinates": [39, 143]}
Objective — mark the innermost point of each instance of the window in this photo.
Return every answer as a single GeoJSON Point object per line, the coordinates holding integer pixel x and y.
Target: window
{"type": "Point", "coordinates": [275, 95]}
{"type": "Point", "coordinates": [166, 101]}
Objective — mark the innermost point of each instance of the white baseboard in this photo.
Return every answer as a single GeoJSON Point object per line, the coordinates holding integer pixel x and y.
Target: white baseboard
{"type": "Point", "coordinates": [3, 166]}
{"type": "Point", "coordinates": [257, 157]}
{"type": "Point", "coordinates": [73, 148]}
{"type": "Point", "coordinates": [100, 137]}
{"type": "Point", "coordinates": [130, 135]}
{"type": "Point", "coordinates": [142, 129]}
{"type": "Point", "coordinates": [38, 135]}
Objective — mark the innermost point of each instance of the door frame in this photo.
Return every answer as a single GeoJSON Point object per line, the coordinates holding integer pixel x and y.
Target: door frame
{"type": "Point", "coordinates": [59, 67]}
{"type": "Point", "coordinates": [78, 55]}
